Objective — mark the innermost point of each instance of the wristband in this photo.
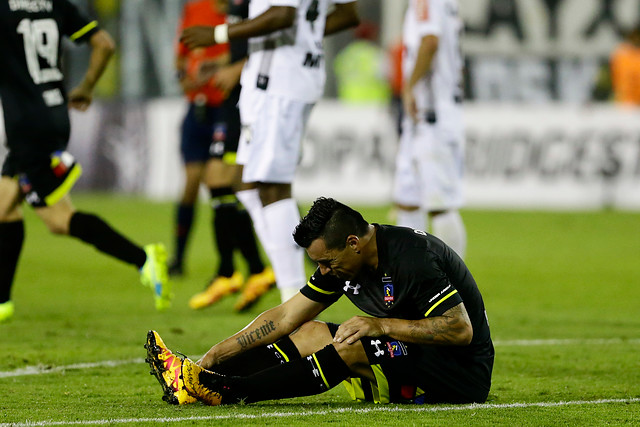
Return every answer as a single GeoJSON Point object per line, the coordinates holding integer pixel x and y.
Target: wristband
{"type": "Point", "coordinates": [221, 33]}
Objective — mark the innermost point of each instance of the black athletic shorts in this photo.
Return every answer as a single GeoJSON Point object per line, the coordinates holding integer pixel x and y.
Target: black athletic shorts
{"type": "Point", "coordinates": [203, 134]}
{"type": "Point", "coordinates": [44, 178]}
{"type": "Point", "coordinates": [413, 373]}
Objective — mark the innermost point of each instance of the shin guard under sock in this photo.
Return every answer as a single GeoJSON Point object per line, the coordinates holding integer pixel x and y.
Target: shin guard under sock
{"type": "Point", "coordinates": [92, 230]}
{"type": "Point", "coordinates": [11, 239]}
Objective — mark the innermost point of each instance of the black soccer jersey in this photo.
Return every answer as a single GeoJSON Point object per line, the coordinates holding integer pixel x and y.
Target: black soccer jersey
{"type": "Point", "coordinates": [418, 276]}
{"type": "Point", "coordinates": [31, 80]}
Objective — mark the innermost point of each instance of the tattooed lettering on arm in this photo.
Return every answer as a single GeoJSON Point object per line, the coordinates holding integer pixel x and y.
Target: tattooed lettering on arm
{"type": "Point", "coordinates": [256, 334]}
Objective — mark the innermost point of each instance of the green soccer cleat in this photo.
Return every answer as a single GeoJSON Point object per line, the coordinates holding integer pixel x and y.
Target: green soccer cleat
{"type": "Point", "coordinates": [6, 311]}
{"type": "Point", "coordinates": [154, 275]}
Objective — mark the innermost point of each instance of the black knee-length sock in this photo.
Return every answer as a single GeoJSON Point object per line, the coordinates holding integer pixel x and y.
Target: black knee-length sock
{"type": "Point", "coordinates": [11, 239]}
{"type": "Point", "coordinates": [93, 230]}
{"type": "Point", "coordinates": [184, 221]}
{"type": "Point", "coordinates": [246, 239]}
{"type": "Point", "coordinates": [310, 375]}
{"type": "Point", "coordinates": [259, 358]}
{"type": "Point", "coordinates": [223, 203]}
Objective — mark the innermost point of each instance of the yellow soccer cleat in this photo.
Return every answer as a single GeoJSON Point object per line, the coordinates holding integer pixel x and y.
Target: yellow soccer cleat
{"type": "Point", "coordinates": [257, 285]}
{"type": "Point", "coordinates": [6, 311]}
{"type": "Point", "coordinates": [167, 368]}
{"type": "Point", "coordinates": [153, 275]}
{"type": "Point", "coordinates": [204, 385]}
{"type": "Point", "coordinates": [220, 286]}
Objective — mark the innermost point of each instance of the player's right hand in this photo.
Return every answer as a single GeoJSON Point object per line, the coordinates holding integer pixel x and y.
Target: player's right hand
{"type": "Point", "coordinates": [198, 36]}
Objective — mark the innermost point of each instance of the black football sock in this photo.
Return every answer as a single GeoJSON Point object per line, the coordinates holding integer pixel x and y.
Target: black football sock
{"type": "Point", "coordinates": [246, 240]}
{"type": "Point", "coordinates": [259, 358]}
{"type": "Point", "coordinates": [11, 239]}
{"type": "Point", "coordinates": [93, 230]}
{"type": "Point", "coordinates": [311, 375]}
{"type": "Point", "coordinates": [223, 203]}
{"type": "Point", "coordinates": [184, 221]}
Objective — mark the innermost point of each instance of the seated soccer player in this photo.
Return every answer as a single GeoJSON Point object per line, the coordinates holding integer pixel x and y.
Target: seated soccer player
{"type": "Point", "coordinates": [426, 338]}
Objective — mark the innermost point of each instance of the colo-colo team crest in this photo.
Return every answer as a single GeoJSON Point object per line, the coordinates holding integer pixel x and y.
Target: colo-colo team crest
{"type": "Point", "coordinates": [387, 287]}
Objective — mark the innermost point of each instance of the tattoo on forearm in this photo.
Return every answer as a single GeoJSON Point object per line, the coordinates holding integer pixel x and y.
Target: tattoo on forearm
{"type": "Point", "coordinates": [442, 329]}
{"type": "Point", "coordinates": [256, 334]}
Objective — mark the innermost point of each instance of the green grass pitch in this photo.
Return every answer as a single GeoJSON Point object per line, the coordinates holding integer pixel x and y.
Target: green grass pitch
{"type": "Point", "coordinates": [561, 289]}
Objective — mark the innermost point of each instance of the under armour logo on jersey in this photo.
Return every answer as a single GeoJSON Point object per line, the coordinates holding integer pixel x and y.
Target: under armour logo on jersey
{"type": "Point", "coordinates": [347, 286]}
{"type": "Point", "coordinates": [379, 352]}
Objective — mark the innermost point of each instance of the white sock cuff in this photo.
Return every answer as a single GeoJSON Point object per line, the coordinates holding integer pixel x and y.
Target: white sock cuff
{"type": "Point", "coordinates": [449, 227]}
{"type": "Point", "coordinates": [287, 258]}
{"type": "Point", "coordinates": [416, 219]}
{"type": "Point", "coordinates": [282, 217]}
{"type": "Point", "coordinates": [249, 198]}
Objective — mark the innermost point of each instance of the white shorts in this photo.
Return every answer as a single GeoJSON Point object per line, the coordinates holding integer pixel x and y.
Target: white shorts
{"type": "Point", "coordinates": [430, 164]}
{"type": "Point", "coordinates": [271, 137]}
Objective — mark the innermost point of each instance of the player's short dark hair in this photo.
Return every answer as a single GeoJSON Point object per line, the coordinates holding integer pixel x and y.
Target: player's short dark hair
{"type": "Point", "coordinates": [332, 221]}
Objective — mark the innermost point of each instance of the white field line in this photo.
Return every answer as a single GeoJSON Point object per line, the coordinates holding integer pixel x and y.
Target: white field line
{"type": "Point", "coordinates": [387, 409]}
{"type": "Point", "coordinates": [40, 370]}
{"type": "Point", "coordinates": [567, 341]}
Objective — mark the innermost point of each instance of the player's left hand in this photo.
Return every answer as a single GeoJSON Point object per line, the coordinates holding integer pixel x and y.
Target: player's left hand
{"type": "Point", "coordinates": [80, 98]}
{"type": "Point", "coordinates": [357, 327]}
{"type": "Point", "coordinates": [198, 36]}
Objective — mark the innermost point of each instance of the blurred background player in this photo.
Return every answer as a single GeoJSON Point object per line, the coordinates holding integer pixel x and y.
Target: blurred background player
{"type": "Point", "coordinates": [282, 80]}
{"type": "Point", "coordinates": [210, 134]}
{"type": "Point", "coordinates": [37, 167]}
{"type": "Point", "coordinates": [625, 70]}
{"type": "Point", "coordinates": [429, 165]}
{"type": "Point", "coordinates": [362, 69]}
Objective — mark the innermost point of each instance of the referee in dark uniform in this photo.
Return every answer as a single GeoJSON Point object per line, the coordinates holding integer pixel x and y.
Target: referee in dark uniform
{"type": "Point", "coordinates": [425, 338]}
{"type": "Point", "coordinates": [37, 168]}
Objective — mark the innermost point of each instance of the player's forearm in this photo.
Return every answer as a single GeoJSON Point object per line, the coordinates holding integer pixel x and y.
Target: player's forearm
{"type": "Point", "coordinates": [102, 48]}
{"type": "Point", "coordinates": [452, 328]}
{"type": "Point", "coordinates": [426, 52]}
{"type": "Point", "coordinates": [274, 19]}
{"type": "Point", "coordinates": [263, 330]}
{"type": "Point", "coordinates": [343, 16]}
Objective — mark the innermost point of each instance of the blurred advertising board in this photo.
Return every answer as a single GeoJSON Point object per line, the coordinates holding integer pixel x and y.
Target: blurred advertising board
{"type": "Point", "coordinates": [552, 156]}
